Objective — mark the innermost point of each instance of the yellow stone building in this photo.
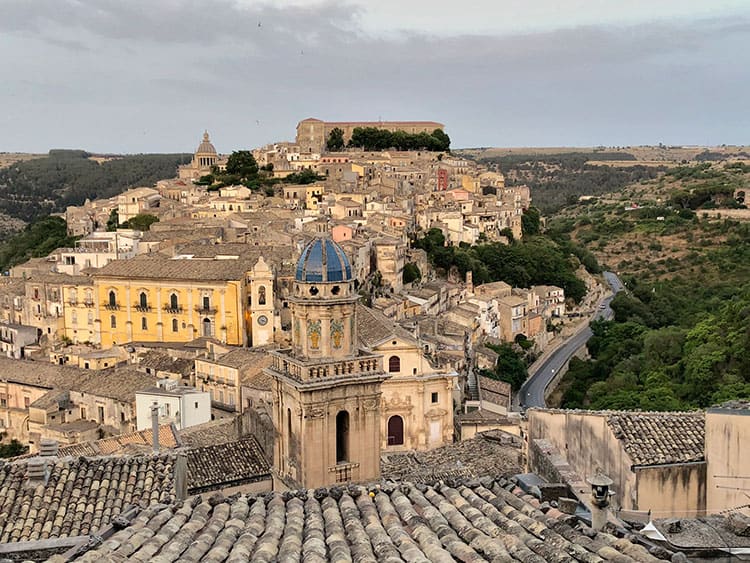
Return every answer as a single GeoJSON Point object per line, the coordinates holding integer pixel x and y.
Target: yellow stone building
{"type": "Point", "coordinates": [80, 310]}
{"type": "Point", "coordinates": [160, 299]}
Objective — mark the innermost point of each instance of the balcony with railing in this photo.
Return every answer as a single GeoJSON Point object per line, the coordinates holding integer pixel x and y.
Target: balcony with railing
{"type": "Point", "coordinates": [210, 310]}
{"type": "Point", "coordinates": [318, 370]}
{"type": "Point", "coordinates": [345, 472]}
{"type": "Point", "coordinates": [142, 308]}
{"type": "Point", "coordinates": [172, 310]}
{"type": "Point", "coordinates": [111, 306]}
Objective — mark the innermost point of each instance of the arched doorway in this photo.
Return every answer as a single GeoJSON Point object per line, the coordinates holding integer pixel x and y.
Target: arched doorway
{"type": "Point", "coordinates": [395, 431]}
{"type": "Point", "coordinates": [206, 327]}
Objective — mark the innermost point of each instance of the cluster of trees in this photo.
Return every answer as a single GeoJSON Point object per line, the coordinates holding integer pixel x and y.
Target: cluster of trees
{"type": "Point", "coordinates": [375, 139]}
{"type": "Point", "coordinates": [511, 366]}
{"type": "Point", "coordinates": [37, 239]}
{"type": "Point", "coordinates": [141, 222]}
{"type": "Point", "coordinates": [12, 449]}
{"type": "Point", "coordinates": [242, 169]}
{"type": "Point", "coordinates": [560, 179]}
{"type": "Point", "coordinates": [705, 186]}
{"type": "Point", "coordinates": [35, 188]}
{"type": "Point", "coordinates": [536, 260]}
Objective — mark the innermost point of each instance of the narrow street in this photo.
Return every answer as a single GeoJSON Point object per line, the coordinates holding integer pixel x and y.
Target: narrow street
{"type": "Point", "coordinates": [532, 391]}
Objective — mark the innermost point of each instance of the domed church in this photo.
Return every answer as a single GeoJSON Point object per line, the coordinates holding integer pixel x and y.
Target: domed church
{"type": "Point", "coordinates": [204, 158]}
{"type": "Point", "coordinates": [330, 412]}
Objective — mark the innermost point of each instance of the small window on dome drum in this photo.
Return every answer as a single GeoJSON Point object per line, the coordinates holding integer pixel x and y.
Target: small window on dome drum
{"type": "Point", "coordinates": [335, 290]}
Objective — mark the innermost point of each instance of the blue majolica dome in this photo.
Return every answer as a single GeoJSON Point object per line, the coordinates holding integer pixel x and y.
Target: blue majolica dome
{"type": "Point", "coordinates": [323, 260]}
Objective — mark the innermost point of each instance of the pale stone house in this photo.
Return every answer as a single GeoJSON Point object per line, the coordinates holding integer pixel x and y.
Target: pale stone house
{"type": "Point", "coordinates": [656, 460]}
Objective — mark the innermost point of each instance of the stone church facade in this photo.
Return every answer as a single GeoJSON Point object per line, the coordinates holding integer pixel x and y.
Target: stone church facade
{"type": "Point", "coordinates": [329, 389]}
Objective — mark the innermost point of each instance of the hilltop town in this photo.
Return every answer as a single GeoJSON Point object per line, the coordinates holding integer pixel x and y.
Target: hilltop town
{"type": "Point", "coordinates": [261, 357]}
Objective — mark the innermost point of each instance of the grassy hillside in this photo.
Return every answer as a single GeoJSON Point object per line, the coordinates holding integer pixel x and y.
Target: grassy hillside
{"type": "Point", "coordinates": [35, 188]}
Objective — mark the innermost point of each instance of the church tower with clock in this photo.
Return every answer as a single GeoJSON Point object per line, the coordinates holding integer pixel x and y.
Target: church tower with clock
{"type": "Point", "coordinates": [326, 391]}
{"type": "Point", "coordinates": [259, 313]}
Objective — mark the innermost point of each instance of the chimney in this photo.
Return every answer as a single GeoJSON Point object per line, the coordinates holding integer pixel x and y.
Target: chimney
{"type": "Point", "coordinates": [36, 472]}
{"type": "Point", "coordinates": [48, 447]}
{"type": "Point", "coordinates": [180, 476]}
{"type": "Point", "coordinates": [600, 494]}
{"type": "Point", "coordinates": [155, 425]}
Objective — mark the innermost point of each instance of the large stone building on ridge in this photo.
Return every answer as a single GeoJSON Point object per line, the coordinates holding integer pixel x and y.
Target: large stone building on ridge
{"type": "Point", "coordinates": [312, 133]}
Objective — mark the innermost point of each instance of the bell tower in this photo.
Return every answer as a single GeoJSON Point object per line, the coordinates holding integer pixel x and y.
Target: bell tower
{"type": "Point", "coordinates": [326, 392]}
{"type": "Point", "coordinates": [261, 320]}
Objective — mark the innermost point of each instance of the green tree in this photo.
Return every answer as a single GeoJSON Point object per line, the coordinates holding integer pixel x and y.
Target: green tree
{"type": "Point", "coordinates": [443, 140]}
{"type": "Point", "coordinates": [530, 222]}
{"type": "Point", "coordinates": [13, 449]}
{"type": "Point", "coordinates": [335, 141]}
{"type": "Point", "coordinates": [411, 272]}
{"type": "Point", "coordinates": [38, 239]}
{"type": "Point", "coordinates": [242, 164]}
{"type": "Point", "coordinates": [113, 221]}
{"type": "Point", "coordinates": [141, 222]}
{"type": "Point", "coordinates": [302, 177]}
{"type": "Point", "coordinates": [510, 366]}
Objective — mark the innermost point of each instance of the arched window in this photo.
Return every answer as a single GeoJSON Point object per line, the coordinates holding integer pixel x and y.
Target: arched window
{"type": "Point", "coordinates": [143, 300]}
{"type": "Point", "coordinates": [396, 431]}
{"type": "Point", "coordinates": [342, 437]}
{"type": "Point", "coordinates": [173, 303]}
{"type": "Point", "coordinates": [206, 302]}
{"type": "Point", "coordinates": [112, 322]}
{"type": "Point", "coordinates": [394, 364]}
{"type": "Point", "coordinates": [262, 295]}
{"type": "Point", "coordinates": [206, 327]}
{"type": "Point", "coordinates": [112, 299]}
{"type": "Point", "coordinates": [174, 325]}
{"type": "Point", "coordinates": [144, 323]}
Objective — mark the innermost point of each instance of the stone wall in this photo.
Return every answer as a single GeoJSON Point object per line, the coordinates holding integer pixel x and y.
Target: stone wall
{"type": "Point", "coordinates": [258, 423]}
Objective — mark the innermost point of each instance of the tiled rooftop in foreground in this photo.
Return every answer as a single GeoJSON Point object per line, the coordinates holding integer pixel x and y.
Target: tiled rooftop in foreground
{"type": "Point", "coordinates": [473, 521]}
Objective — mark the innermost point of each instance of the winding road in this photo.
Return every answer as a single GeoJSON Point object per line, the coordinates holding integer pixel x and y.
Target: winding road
{"type": "Point", "coordinates": [532, 391]}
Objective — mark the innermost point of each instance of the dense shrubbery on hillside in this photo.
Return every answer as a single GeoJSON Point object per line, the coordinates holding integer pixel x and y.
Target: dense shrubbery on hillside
{"type": "Point", "coordinates": [559, 179]}
{"type": "Point", "coordinates": [535, 260]}
{"type": "Point", "coordinates": [35, 188]}
{"type": "Point", "coordinates": [676, 343]}
{"type": "Point", "coordinates": [36, 240]}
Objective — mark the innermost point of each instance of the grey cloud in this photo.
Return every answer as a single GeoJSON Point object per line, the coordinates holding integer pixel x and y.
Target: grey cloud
{"type": "Point", "coordinates": [172, 69]}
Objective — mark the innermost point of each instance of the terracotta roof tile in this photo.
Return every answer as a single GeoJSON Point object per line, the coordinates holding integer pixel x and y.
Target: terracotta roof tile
{"type": "Point", "coordinates": [471, 521]}
{"type": "Point", "coordinates": [653, 438]}
{"type": "Point", "coordinates": [80, 495]}
{"type": "Point", "coordinates": [228, 464]}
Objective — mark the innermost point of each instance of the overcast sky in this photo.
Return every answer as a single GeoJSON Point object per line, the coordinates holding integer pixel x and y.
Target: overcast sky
{"type": "Point", "coordinates": [151, 75]}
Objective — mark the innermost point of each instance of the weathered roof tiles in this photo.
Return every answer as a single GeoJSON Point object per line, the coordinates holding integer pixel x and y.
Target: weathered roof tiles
{"type": "Point", "coordinates": [473, 521]}
{"type": "Point", "coordinates": [653, 438]}
{"type": "Point", "coordinates": [81, 494]}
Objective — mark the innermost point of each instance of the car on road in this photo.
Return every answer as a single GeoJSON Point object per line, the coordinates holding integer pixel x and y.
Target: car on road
{"type": "Point", "coordinates": [602, 306]}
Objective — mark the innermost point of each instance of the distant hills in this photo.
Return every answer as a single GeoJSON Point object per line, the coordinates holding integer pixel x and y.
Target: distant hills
{"type": "Point", "coordinates": [34, 186]}
{"type": "Point", "coordinates": [558, 176]}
